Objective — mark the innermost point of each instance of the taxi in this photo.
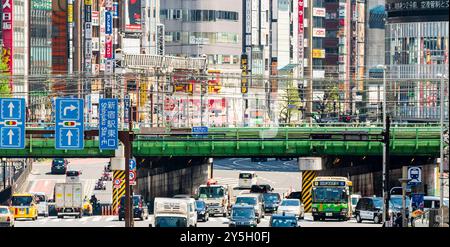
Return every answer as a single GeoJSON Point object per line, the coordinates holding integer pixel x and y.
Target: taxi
{"type": "Point", "coordinates": [24, 206]}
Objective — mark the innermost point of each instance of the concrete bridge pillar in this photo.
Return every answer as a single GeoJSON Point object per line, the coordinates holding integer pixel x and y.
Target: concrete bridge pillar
{"type": "Point", "coordinates": [308, 167]}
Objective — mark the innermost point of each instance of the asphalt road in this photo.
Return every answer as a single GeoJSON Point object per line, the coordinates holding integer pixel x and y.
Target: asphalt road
{"type": "Point", "coordinates": [283, 178]}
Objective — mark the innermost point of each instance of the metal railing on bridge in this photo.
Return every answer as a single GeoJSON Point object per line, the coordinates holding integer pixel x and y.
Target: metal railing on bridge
{"type": "Point", "coordinates": [145, 61]}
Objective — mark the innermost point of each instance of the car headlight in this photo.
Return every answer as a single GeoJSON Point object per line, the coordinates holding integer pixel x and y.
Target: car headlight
{"type": "Point", "coordinates": [314, 209]}
{"type": "Point", "coordinates": [344, 210]}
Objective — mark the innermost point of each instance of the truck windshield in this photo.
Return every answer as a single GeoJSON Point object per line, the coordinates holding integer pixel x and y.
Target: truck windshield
{"type": "Point", "coordinates": [329, 195]}
{"type": "Point", "coordinates": [21, 200]}
{"type": "Point", "coordinates": [170, 222]}
{"type": "Point", "coordinates": [246, 200]}
{"type": "Point", "coordinates": [271, 197]}
{"type": "Point", "coordinates": [211, 192]}
{"type": "Point", "coordinates": [246, 175]}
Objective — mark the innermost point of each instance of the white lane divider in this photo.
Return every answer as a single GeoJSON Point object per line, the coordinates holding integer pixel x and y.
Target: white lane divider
{"type": "Point", "coordinates": [97, 218]}
{"type": "Point", "coordinates": [56, 220]}
{"type": "Point", "coordinates": [84, 219]}
{"type": "Point", "coordinates": [69, 220]}
{"type": "Point", "coordinates": [111, 218]}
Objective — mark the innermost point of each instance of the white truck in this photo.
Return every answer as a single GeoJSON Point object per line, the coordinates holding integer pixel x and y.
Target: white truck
{"type": "Point", "coordinates": [218, 198]}
{"type": "Point", "coordinates": [171, 212]}
{"type": "Point", "coordinates": [69, 199]}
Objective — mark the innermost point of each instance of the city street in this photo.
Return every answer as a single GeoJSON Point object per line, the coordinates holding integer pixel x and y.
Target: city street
{"type": "Point", "coordinates": [226, 171]}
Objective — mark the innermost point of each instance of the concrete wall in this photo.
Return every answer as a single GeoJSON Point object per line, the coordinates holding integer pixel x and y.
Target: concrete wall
{"type": "Point", "coordinates": [168, 177]}
{"type": "Point", "coordinates": [370, 183]}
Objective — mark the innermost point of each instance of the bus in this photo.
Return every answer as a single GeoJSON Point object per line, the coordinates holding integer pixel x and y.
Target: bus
{"type": "Point", "coordinates": [331, 198]}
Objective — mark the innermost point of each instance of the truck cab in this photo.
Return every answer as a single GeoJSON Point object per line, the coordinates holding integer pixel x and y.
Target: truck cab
{"type": "Point", "coordinates": [217, 198]}
{"type": "Point", "coordinates": [171, 212]}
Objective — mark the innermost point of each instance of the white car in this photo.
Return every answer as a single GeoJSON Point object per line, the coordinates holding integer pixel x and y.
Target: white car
{"type": "Point", "coordinates": [42, 203]}
{"type": "Point", "coordinates": [292, 206]}
{"type": "Point", "coordinates": [6, 217]}
{"type": "Point", "coordinates": [354, 198]}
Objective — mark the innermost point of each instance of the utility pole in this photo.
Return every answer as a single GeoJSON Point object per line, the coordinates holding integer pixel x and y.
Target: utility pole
{"type": "Point", "coordinates": [441, 163]}
{"type": "Point", "coordinates": [127, 139]}
{"type": "Point", "coordinates": [386, 165]}
{"type": "Point", "coordinates": [309, 95]}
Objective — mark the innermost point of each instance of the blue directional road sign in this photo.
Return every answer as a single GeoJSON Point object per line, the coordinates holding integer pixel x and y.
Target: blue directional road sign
{"type": "Point", "coordinates": [132, 164]}
{"type": "Point", "coordinates": [12, 123]}
{"type": "Point", "coordinates": [200, 129]}
{"type": "Point", "coordinates": [108, 126]}
{"type": "Point", "coordinates": [69, 124]}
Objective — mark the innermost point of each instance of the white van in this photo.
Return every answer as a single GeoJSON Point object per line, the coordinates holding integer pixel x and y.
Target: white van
{"type": "Point", "coordinates": [192, 212]}
{"type": "Point", "coordinates": [247, 179]}
{"type": "Point", "coordinates": [42, 203]}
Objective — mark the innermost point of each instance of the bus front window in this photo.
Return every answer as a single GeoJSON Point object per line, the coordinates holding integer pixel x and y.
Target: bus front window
{"type": "Point", "coordinates": [330, 195]}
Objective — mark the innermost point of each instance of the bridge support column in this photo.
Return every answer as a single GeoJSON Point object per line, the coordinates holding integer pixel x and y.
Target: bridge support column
{"type": "Point", "coordinates": [309, 167]}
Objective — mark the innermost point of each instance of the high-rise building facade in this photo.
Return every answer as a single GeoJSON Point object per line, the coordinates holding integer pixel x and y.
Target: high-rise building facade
{"type": "Point", "coordinates": [417, 46]}
{"type": "Point", "coordinates": [197, 27]}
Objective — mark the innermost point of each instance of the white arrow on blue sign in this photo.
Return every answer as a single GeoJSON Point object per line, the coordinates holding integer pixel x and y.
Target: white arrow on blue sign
{"type": "Point", "coordinates": [69, 124]}
{"type": "Point", "coordinates": [12, 123]}
{"type": "Point", "coordinates": [132, 164]}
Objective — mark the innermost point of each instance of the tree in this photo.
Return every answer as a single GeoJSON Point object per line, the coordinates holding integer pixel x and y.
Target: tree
{"type": "Point", "coordinates": [330, 101]}
{"type": "Point", "coordinates": [290, 104]}
{"type": "Point", "coordinates": [5, 90]}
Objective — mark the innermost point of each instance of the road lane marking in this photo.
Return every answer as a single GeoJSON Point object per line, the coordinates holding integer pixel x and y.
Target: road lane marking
{"type": "Point", "coordinates": [56, 220]}
{"type": "Point", "coordinates": [84, 219]}
{"type": "Point", "coordinates": [97, 218]}
{"type": "Point", "coordinates": [110, 218]}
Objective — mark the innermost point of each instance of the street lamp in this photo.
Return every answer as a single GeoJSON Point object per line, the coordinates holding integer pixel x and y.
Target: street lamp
{"type": "Point", "coordinates": [385, 169]}
{"type": "Point", "coordinates": [441, 163]}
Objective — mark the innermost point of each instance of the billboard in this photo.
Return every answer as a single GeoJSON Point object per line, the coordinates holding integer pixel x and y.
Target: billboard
{"type": "Point", "coordinates": [319, 32]}
{"type": "Point", "coordinates": [319, 12]}
{"type": "Point", "coordinates": [133, 15]}
{"type": "Point", "coordinates": [7, 33]}
{"type": "Point", "coordinates": [318, 53]}
{"type": "Point", "coordinates": [300, 37]}
{"type": "Point", "coordinates": [244, 67]}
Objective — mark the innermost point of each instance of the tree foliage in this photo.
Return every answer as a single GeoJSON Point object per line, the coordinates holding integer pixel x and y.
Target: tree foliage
{"type": "Point", "coordinates": [5, 90]}
{"type": "Point", "coordinates": [290, 104]}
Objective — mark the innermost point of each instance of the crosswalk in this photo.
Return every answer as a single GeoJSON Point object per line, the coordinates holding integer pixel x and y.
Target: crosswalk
{"type": "Point", "coordinates": [47, 186]}
{"type": "Point", "coordinates": [46, 220]}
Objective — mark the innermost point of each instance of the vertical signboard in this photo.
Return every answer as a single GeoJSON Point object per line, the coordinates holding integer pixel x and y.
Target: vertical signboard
{"type": "Point", "coordinates": [70, 35]}
{"type": "Point", "coordinates": [244, 67]}
{"type": "Point", "coordinates": [108, 23]}
{"type": "Point", "coordinates": [300, 37]}
{"type": "Point", "coordinates": [7, 34]}
{"type": "Point", "coordinates": [108, 126]}
{"type": "Point", "coordinates": [88, 35]}
{"type": "Point", "coordinates": [133, 15]}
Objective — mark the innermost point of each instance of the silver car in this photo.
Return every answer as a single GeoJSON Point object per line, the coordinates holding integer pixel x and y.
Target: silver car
{"type": "Point", "coordinates": [254, 200]}
{"type": "Point", "coordinates": [6, 217]}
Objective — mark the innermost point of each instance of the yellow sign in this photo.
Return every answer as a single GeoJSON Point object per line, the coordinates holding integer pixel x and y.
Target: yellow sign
{"type": "Point", "coordinates": [318, 53]}
{"type": "Point", "coordinates": [70, 13]}
{"type": "Point", "coordinates": [88, 2]}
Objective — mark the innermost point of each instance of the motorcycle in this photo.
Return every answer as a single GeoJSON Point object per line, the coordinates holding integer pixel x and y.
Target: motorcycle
{"type": "Point", "coordinates": [106, 177]}
{"type": "Point", "coordinates": [100, 185]}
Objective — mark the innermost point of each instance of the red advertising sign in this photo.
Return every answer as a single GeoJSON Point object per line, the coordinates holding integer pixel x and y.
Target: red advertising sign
{"type": "Point", "coordinates": [109, 46]}
{"type": "Point", "coordinates": [7, 33]}
{"type": "Point", "coordinates": [133, 14]}
{"type": "Point", "coordinates": [300, 35]}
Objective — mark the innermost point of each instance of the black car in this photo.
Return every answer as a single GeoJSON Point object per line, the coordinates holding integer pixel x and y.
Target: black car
{"type": "Point", "coordinates": [261, 188]}
{"type": "Point", "coordinates": [59, 166]}
{"type": "Point", "coordinates": [271, 201]}
{"type": "Point", "coordinates": [283, 220]}
{"type": "Point", "coordinates": [202, 210]}
{"type": "Point", "coordinates": [243, 216]}
{"type": "Point", "coordinates": [369, 208]}
{"type": "Point", "coordinates": [140, 208]}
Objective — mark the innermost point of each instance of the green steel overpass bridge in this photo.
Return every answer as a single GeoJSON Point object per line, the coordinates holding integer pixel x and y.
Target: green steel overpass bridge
{"type": "Point", "coordinates": [251, 142]}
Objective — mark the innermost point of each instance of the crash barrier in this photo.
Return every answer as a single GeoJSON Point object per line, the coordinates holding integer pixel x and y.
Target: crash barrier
{"type": "Point", "coordinates": [107, 210]}
{"type": "Point", "coordinates": [432, 218]}
{"type": "Point", "coordinates": [307, 181]}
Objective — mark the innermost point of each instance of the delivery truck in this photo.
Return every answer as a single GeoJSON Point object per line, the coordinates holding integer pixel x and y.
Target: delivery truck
{"type": "Point", "coordinates": [69, 199]}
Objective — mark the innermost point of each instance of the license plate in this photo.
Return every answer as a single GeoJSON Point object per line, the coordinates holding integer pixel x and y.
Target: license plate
{"type": "Point", "coordinates": [328, 214]}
